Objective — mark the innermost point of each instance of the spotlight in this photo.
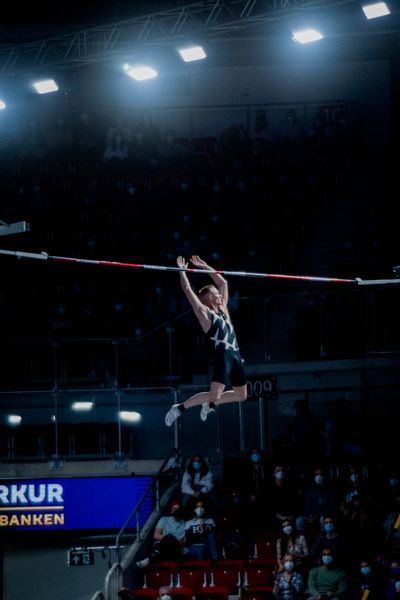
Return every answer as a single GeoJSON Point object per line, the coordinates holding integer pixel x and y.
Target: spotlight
{"type": "Point", "coordinates": [192, 53]}
{"type": "Point", "coordinates": [130, 416]}
{"type": "Point", "coordinates": [82, 406]}
{"type": "Point", "coordinates": [2, 105]}
{"type": "Point", "coordinates": [46, 86]}
{"type": "Point", "coordinates": [140, 72]}
{"type": "Point", "coordinates": [307, 35]}
{"type": "Point", "coordinates": [378, 9]}
{"type": "Point", "coordinates": [14, 420]}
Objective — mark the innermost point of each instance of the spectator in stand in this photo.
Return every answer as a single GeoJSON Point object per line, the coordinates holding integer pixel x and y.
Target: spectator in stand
{"type": "Point", "coordinates": [319, 500]}
{"type": "Point", "coordinates": [327, 582]}
{"type": "Point", "coordinates": [197, 483]}
{"type": "Point", "coordinates": [366, 578]}
{"type": "Point", "coordinates": [353, 488]}
{"type": "Point", "coordinates": [389, 493]}
{"type": "Point", "coordinates": [288, 582]}
{"type": "Point", "coordinates": [392, 583]}
{"type": "Point", "coordinates": [251, 487]}
{"type": "Point", "coordinates": [169, 537]}
{"type": "Point", "coordinates": [293, 542]}
{"type": "Point", "coordinates": [332, 539]}
{"type": "Point", "coordinates": [282, 499]}
{"type": "Point", "coordinates": [200, 533]}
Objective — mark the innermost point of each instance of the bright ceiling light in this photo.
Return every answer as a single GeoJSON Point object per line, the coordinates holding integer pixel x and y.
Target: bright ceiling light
{"type": "Point", "coordinates": [82, 406]}
{"type": "Point", "coordinates": [378, 9]}
{"type": "Point", "coordinates": [2, 105]}
{"type": "Point", "coordinates": [130, 416]}
{"type": "Point", "coordinates": [192, 53]}
{"type": "Point", "coordinates": [14, 419]}
{"type": "Point", "coordinates": [45, 86]}
{"type": "Point", "coordinates": [307, 35]}
{"type": "Point", "coordinates": [140, 72]}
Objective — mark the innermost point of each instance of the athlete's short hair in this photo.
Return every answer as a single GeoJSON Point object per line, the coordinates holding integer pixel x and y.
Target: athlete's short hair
{"type": "Point", "coordinates": [204, 290]}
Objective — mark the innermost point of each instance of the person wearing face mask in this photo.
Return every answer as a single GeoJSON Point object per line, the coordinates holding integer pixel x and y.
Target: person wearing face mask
{"type": "Point", "coordinates": [282, 498]}
{"type": "Point", "coordinates": [332, 539]}
{"type": "Point", "coordinates": [165, 593]}
{"type": "Point", "coordinates": [392, 584]}
{"type": "Point", "coordinates": [319, 500]}
{"type": "Point", "coordinates": [200, 535]}
{"type": "Point", "coordinates": [354, 487]}
{"type": "Point", "coordinates": [288, 582]}
{"type": "Point", "coordinates": [169, 537]}
{"type": "Point", "coordinates": [388, 494]}
{"type": "Point", "coordinates": [327, 582]}
{"type": "Point", "coordinates": [249, 484]}
{"type": "Point", "coordinates": [366, 578]}
{"type": "Point", "coordinates": [197, 483]}
{"type": "Point", "coordinates": [292, 542]}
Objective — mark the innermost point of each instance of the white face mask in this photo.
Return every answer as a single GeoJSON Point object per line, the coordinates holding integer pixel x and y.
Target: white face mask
{"type": "Point", "coordinates": [199, 511]}
{"type": "Point", "coordinates": [166, 597]}
{"type": "Point", "coordinates": [289, 565]}
{"type": "Point", "coordinates": [287, 529]}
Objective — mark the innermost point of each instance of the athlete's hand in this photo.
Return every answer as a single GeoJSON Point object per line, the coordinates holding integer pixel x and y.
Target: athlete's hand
{"type": "Point", "coordinates": [198, 262]}
{"type": "Point", "coordinates": [182, 263]}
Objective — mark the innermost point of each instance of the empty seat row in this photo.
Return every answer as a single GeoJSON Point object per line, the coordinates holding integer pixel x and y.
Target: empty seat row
{"type": "Point", "coordinates": [200, 574]}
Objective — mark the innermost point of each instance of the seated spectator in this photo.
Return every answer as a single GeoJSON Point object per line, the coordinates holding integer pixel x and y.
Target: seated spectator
{"type": "Point", "coordinates": [282, 499]}
{"type": "Point", "coordinates": [200, 534]}
{"type": "Point", "coordinates": [288, 583]}
{"type": "Point", "coordinates": [294, 543]}
{"type": "Point", "coordinates": [366, 578]}
{"type": "Point", "coordinates": [250, 489]}
{"type": "Point", "coordinates": [319, 500]}
{"type": "Point", "coordinates": [327, 582]}
{"type": "Point", "coordinates": [197, 483]}
{"type": "Point", "coordinates": [392, 583]}
{"type": "Point", "coordinates": [329, 538]}
{"type": "Point", "coordinates": [169, 537]}
{"type": "Point", "coordinates": [388, 493]}
{"type": "Point", "coordinates": [165, 593]}
{"type": "Point", "coordinates": [353, 487]}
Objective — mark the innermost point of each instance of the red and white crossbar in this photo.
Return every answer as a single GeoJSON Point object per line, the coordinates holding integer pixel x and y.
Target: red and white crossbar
{"type": "Point", "coordinates": [111, 263]}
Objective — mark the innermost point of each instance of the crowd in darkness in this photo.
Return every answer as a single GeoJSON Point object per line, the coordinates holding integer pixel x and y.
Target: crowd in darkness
{"type": "Point", "coordinates": [121, 189]}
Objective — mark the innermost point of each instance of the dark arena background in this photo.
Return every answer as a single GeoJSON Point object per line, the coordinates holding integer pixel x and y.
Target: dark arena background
{"type": "Point", "coordinates": [267, 158]}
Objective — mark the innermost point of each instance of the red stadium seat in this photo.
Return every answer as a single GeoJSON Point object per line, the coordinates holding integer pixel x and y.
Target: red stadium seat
{"type": "Point", "coordinates": [259, 572]}
{"type": "Point", "coordinates": [194, 573]}
{"type": "Point", "coordinates": [217, 592]}
{"type": "Point", "coordinates": [162, 573]}
{"type": "Point", "coordinates": [182, 593]}
{"type": "Point", "coordinates": [259, 592]}
{"type": "Point", "coordinates": [228, 573]}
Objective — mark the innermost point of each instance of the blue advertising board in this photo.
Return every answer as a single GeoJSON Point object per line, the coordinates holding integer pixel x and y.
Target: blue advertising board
{"type": "Point", "coordinates": [85, 503]}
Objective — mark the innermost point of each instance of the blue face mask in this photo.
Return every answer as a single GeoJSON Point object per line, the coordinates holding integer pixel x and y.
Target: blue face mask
{"type": "Point", "coordinates": [327, 559]}
{"type": "Point", "coordinates": [255, 457]}
{"type": "Point", "coordinates": [329, 527]}
{"type": "Point", "coordinates": [365, 570]}
{"type": "Point", "coordinates": [197, 465]}
{"type": "Point", "coordinates": [393, 481]}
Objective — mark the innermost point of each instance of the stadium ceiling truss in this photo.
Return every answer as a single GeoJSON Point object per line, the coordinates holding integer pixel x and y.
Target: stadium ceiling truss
{"type": "Point", "coordinates": [207, 19]}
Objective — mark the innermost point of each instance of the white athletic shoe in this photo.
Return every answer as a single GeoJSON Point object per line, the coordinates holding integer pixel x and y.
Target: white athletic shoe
{"type": "Point", "coordinates": [172, 415]}
{"type": "Point", "coordinates": [205, 410]}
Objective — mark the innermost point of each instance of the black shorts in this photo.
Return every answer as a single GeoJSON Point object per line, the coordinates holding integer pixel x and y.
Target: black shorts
{"type": "Point", "coordinates": [228, 368]}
